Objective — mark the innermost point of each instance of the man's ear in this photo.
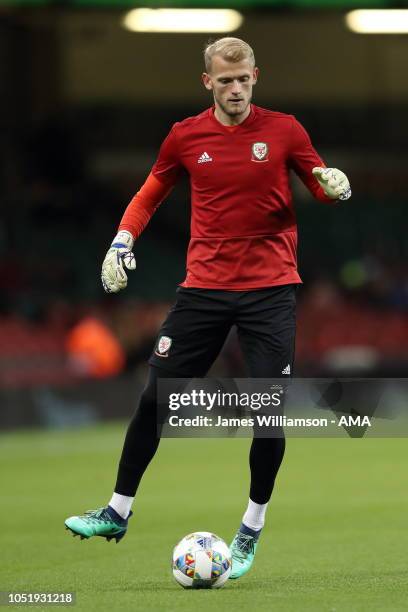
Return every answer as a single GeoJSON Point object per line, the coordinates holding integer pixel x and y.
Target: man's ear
{"type": "Point", "coordinates": [255, 75]}
{"type": "Point", "coordinates": [206, 79]}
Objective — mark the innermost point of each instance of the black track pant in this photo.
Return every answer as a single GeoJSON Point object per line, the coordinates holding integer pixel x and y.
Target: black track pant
{"type": "Point", "coordinates": [189, 342]}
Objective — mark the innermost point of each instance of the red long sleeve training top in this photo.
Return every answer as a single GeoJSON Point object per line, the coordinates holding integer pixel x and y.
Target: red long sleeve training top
{"type": "Point", "coordinates": [243, 224]}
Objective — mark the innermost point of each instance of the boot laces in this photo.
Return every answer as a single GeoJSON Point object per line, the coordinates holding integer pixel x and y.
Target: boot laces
{"type": "Point", "coordinates": [99, 515]}
{"type": "Point", "coordinates": [243, 545]}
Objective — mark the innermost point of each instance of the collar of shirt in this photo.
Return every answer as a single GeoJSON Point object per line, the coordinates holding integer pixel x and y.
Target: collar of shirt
{"type": "Point", "coordinates": [230, 129]}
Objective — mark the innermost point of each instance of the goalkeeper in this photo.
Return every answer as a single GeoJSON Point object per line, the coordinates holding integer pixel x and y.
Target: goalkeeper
{"type": "Point", "coordinates": [241, 269]}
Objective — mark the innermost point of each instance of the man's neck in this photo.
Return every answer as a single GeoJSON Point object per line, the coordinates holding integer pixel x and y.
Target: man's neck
{"type": "Point", "coordinates": [230, 120]}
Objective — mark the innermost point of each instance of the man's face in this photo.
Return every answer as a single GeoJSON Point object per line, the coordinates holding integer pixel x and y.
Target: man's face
{"type": "Point", "coordinates": [231, 84]}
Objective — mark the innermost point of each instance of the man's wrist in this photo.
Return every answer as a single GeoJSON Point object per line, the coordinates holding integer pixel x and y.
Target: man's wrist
{"type": "Point", "coordinates": [124, 238]}
{"type": "Point", "coordinates": [345, 195]}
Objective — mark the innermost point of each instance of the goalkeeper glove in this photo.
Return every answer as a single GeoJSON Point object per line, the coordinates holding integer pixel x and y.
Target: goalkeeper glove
{"type": "Point", "coordinates": [118, 257]}
{"type": "Point", "coordinates": [334, 182]}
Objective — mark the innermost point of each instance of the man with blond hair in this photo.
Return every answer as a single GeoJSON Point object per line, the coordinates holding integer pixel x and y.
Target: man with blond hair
{"type": "Point", "coordinates": [241, 268]}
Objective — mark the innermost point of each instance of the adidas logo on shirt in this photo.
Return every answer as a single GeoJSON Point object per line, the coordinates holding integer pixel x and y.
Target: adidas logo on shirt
{"type": "Point", "coordinates": [286, 370]}
{"type": "Point", "coordinates": [204, 158]}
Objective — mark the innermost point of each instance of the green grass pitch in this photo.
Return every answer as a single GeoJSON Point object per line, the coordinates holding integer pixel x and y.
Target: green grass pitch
{"type": "Point", "coordinates": [335, 538]}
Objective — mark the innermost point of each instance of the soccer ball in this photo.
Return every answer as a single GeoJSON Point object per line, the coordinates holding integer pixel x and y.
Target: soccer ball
{"type": "Point", "coordinates": [201, 560]}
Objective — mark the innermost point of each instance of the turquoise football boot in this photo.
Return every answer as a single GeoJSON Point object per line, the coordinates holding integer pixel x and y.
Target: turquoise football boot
{"type": "Point", "coordinates": [243, 549]}
{"type": "Point", "coordinates": [104, 522]}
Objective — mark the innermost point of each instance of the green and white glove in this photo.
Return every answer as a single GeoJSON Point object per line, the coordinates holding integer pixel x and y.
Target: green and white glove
{"type": "Point", "coordinates": [118, 257]}
{"type": "Point", "coordinates": [334, 182]}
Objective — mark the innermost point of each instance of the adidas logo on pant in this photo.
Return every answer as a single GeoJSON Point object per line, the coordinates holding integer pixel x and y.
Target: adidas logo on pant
{"type": "Point", "coordinates": [286, 370]}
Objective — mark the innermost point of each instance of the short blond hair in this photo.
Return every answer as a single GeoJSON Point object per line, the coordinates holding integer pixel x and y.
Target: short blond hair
{"type": "Point", "coordinates": [230, 49]}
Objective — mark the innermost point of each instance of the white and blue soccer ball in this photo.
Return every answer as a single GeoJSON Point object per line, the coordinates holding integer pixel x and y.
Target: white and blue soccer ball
{"type": "Point", "coordinates": [201, 560]}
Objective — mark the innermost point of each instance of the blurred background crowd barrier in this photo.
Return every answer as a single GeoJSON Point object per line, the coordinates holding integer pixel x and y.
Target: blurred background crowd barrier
{"type": "Point", "coordinates": [85, 104]}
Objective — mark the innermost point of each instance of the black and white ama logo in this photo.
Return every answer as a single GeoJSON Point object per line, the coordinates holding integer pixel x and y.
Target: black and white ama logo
{"type": "Point", "coordinates": [163, 346]}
